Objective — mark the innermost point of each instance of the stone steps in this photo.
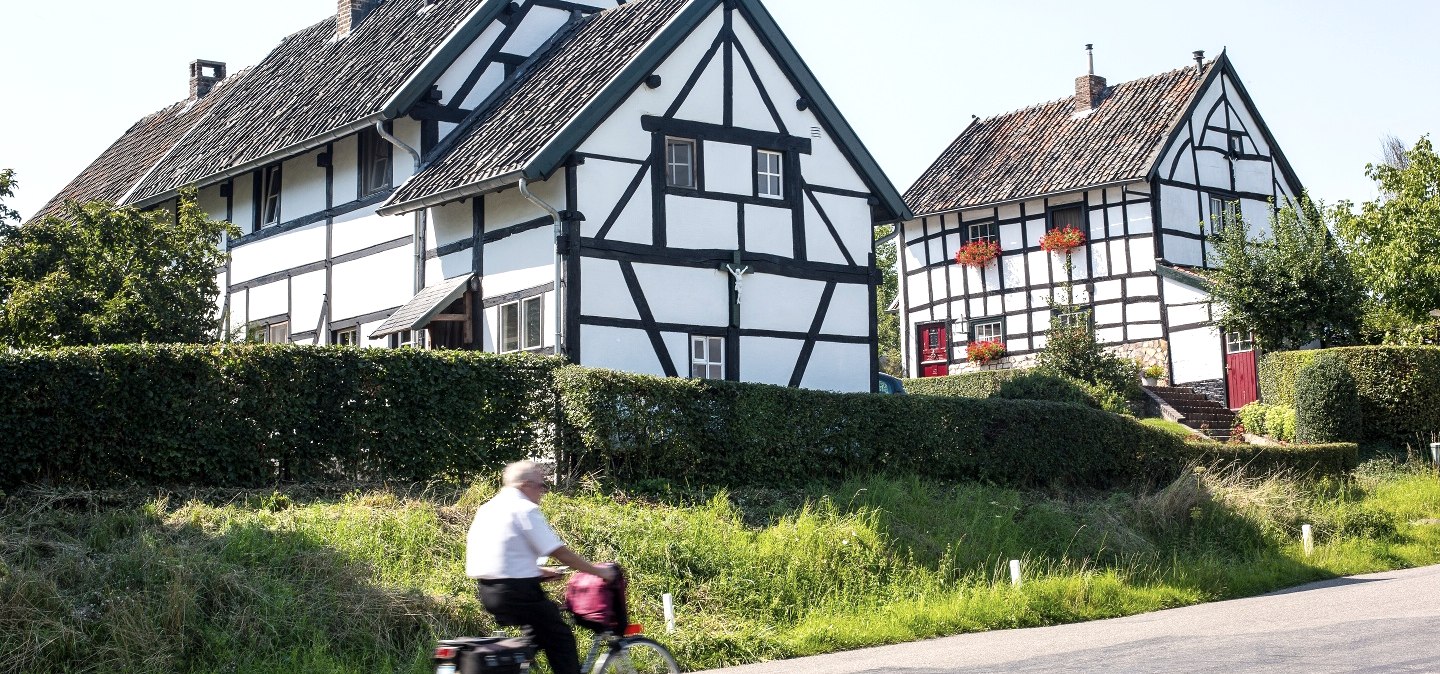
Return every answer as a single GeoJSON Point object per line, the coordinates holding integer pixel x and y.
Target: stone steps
{"type": "Point", "coordinates": [1198, 412]}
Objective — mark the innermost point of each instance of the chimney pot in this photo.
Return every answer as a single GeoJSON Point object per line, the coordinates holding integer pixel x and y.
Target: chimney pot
{"type": "Point", "coordinates": [349, 14]}
{"type": "Point", "coordinates": [1090, 87]}
{"type": "Point", "coordinates": [203, 77]}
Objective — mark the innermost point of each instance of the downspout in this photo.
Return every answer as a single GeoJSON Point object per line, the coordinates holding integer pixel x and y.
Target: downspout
{"type": "Point", "coordinates": [419, 238]}
{"type": "Point", "coordinates": [559, 235]}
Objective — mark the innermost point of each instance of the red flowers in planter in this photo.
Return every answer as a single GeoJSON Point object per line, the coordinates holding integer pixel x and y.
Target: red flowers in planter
{"type": "Point", "coordinates": [1063, 239]}
{"type": "Point", "coordinates": [984, 352]}
{"type": "Point", "coordinates": [977, 253]}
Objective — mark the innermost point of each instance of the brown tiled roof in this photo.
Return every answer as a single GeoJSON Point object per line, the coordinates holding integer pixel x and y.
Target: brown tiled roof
{"type": "Point", "coordinates": [121, 167]}
{"type": "Point", "coordinates": [541, 101]}
{"type": "Point", "coordinates": [1047, 149]}
{"type": "Point", "coordinates": [307, 86]}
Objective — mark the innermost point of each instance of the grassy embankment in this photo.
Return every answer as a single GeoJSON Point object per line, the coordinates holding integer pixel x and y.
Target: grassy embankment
{"type": "Point", "coordinates": [360, 580]}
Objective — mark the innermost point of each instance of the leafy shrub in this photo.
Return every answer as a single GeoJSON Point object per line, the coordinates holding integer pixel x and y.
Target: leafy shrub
{"type": "Point", "coordinates": [254, 414]}
{"type": "Point", "coordinates": [1280, 423]}
{"type": "Point", "coordinates": [1395, 385]}
{"type": "Point", "coordinates": [969, 385]}
{"type": "Point", "coordinates": [1254, 417]}
{"type": "Point", "coordinates": [633, 427]}
{"type": "Point", "coordinates": [1328, 459]}
{"type": "Point", "coordinates": [1072, 351]}
{"type": "Point", "coordinates": [1037, 385]}
{"type": "Point", "coordinates": [1325, 403]}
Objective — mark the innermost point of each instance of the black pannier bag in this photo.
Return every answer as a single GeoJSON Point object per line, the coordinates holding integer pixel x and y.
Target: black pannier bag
{"type": "Point", "coordinates": [491, 655]}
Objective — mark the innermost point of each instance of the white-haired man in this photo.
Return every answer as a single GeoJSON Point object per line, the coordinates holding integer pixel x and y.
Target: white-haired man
{"type": "Point", "coordinates": [502, 550]}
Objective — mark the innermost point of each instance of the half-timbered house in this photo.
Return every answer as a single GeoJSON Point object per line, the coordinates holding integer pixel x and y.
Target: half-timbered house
{"type": "Point", "coordinates": [1146, 170]}
{"type": "Point", "coordinates": [658, 186]}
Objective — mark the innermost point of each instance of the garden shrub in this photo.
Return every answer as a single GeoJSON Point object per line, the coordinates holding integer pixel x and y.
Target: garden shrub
{"type": "Point", "coordinates": [981, 384]}
{"type": "Point", "coordinates": [243, 415]}
{"type": "Point", "coordinates": [632, 427]}
{"type": "Point", "coordinates": [1325, 403]}
{"type": "Point", "coordinates": [1328, 459]}
{"type": "Point", "coordinates": [1037, 385]}
{"type": "Point", "coordinates": [1254, 417]}
{"type": "Point", "coordinates": [1395, 385]}
{"type": "Point", "coordinates": [1280, 423]}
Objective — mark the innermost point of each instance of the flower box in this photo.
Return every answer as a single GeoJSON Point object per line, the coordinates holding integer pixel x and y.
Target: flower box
{"type": "Point", "coordinates": [984, 352]}
{"type": "Point", "coordinates": [1062, 240]}
{"type": "Point", "coordinates": [977, 253]}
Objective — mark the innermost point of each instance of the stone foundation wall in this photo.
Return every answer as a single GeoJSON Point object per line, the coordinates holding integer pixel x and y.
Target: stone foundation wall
{"type": "Point", "coordinates": [1213, 389]}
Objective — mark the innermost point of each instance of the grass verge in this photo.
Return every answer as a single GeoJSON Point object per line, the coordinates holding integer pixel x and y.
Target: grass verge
{"type": "Point", "coordinates": [347, 579]}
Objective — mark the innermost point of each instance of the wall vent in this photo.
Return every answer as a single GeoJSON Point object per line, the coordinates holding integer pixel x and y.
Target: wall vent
{"type": "Point", "coordinates": [815, 132]}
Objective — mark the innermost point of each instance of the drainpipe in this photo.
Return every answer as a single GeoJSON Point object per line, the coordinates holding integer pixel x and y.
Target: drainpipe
{"type": "Point", "coordinates": [559, 233]}
{"type": "Point", "coordinates": [419, 215]}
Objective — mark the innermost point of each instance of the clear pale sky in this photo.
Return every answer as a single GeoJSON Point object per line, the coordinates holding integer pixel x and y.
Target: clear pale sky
{"type": "Point", "coordinates": [1330, 78]}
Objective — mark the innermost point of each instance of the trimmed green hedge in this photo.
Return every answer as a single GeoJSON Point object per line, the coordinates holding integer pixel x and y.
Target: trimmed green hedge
{"type": "Point", "coordinates": [252, 414]}
{"type": "Point", "coordinates": [1316, 460]}
{"type": "Point", "coordinates": [1398, 388]}
{"type": "Point", "coordinates": [983, 384]}
{"type": "Point", "coordinates": [633, 428]}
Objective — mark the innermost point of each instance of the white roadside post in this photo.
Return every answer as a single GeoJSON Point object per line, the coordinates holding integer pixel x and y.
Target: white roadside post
{"type": "Point", "coordinates": [1307, 538]}
{"type": "Point", "coordinates": [1015, 572]}
{"type": "Point", "coordinates": [668, 602]}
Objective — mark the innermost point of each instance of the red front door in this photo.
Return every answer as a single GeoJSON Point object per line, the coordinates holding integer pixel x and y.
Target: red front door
{"type": "Point", "coordinates": [934, 347]}
{"type": "Point", "coordinates": [1240, 369]}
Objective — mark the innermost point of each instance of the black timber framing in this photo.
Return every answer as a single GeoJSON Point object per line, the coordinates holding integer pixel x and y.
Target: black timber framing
{"type": "Point", "coordinates": [570, 283]}
{"type": "Point", "coordinates": [821, 311]}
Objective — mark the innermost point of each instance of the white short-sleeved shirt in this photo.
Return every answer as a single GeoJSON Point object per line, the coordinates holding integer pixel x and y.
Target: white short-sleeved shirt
{"type": "Point", "coordinates": [507, 538]}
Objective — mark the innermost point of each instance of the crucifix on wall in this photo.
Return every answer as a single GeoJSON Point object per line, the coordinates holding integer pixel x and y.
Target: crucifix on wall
{"type": "Point", "coordinates": [737, 271]}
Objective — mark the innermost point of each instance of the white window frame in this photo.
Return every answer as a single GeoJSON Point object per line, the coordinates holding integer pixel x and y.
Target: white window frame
{"type": "Point", "coordinates": [346, 337]}
{"type": "Point", "coordinates": [1239, 342]}
{"type": "Point", "coordinates": [769, 184]}
{"type": "Point", "coordinates": [277, 333]}
{"type": "Point", "coordinates": [268, 210]}
{"type": "Point", "coordinates": [707, 357]}
{"type": "Point", "coordinates": [526, 339]}
{"type": "Point", "coordinates": [991, 231]}
{"type": "Point", "coordinates": [1221, 208]}
{"type": "Point", "coordinates": [979, 330]}
{"type": "Point", "coordinates": [672, 165]}
{"type": "Point", "coordinates": [405, 339]}
{"type": "Point", "coordinates": [377, 166]}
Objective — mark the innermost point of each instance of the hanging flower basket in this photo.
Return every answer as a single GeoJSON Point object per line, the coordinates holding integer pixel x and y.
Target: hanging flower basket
{"type": "Point", "coordinates": [977, 253]}
{"type": "Point", "coordinates": [985, 352]}
{"type": "Point", "coordinates": [1062, 240]}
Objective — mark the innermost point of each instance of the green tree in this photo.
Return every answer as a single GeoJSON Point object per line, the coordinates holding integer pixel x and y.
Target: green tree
{"type": "Point", "coordinates": [1290, 286]}
{"type": "Point", "coordinates": [1073, 352]}
{"type": "Point", "coordinates": [7, 191]}
{"type": "Point", "coordinates": [98, 273]}
{"type": "Point", "coordinates": [888, 323]}
{"type": "Point", "coordinates": [1394, 244]}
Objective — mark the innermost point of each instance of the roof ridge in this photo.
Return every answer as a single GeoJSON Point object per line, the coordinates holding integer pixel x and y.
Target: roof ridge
{"type": "Point", "coordinates": [1108, 87]}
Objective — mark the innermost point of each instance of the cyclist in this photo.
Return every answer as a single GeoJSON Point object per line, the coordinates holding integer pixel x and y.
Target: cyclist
{"type": "Point", "coordinates": [502, 549]}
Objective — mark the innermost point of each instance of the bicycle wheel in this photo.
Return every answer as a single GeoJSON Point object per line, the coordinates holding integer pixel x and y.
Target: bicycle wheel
{"type": "Point", "coordinates": [639, 655]}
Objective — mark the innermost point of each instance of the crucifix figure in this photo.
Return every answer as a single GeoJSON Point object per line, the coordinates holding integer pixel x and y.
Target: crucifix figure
{"type": "Point", "coordinates": [737, 273]}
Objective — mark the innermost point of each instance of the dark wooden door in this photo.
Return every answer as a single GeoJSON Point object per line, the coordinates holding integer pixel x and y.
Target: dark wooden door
{"type": "Point", "coordinates": [934, 350]}
{"type": "Point", "coordinates": [1241, 370]}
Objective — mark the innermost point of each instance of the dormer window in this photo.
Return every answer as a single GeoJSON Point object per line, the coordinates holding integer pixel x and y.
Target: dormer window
{"type": "Point", "coordinates": [268, 198]}
{"type": "Point", "coordinates": [376, 155]}
{"type": "Point", "coordinates": [768, 174]}
{"type": "Point", "coordinates": [680, 163]}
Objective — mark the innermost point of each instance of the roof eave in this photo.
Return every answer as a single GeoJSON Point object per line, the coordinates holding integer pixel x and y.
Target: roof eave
{"type": "Point", "coordinates": [1031, 197]}
{"type": "Point", "coordinates": [486, 186]}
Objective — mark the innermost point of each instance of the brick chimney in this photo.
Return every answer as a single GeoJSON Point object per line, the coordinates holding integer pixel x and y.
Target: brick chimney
{"type": "Point", "coordinates": [203, 76]}
{"type": "Point", "coordinates": [351, 13]}
{"type": "Point", "coordinates": [1089, 88]}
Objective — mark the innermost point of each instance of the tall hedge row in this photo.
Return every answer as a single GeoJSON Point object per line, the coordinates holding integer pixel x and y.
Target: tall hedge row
{"type": "Point", "coordinates": [243, 415]}
{"type": "Point", "coordinates": [634, 427]}
{"type": "Point", "coordinates": [1398, 388]}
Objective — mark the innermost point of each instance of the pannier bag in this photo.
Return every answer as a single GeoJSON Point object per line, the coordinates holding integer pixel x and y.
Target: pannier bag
{"type": "Point", "coordinates": [597, 605]}
{"type": "Point", "coordinates": [491, 655]}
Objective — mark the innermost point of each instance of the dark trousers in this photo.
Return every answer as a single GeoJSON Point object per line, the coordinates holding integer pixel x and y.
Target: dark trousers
{"type": "Point", "coordinates": [521, 602]}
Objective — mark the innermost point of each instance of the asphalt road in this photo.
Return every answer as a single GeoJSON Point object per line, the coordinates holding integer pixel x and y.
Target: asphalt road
{"type": "Point", "coordinates": [1383, 622]}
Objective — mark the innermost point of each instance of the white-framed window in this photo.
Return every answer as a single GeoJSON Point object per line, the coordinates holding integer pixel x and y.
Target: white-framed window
{"type": "Point", "coordinates": [1239, 342]}
{"type": "Point", "coordinates": [345, 337]}
{"type": "Point", "coordinates": [987, 330]}
{"type": "Point", "coordinates": [269, 212]}
{"type": "Point", "coordinates": [680, 163]}
{"type": "Point", "coordinates": [1074, 318]}
{"type": "Point", "coordinates": [278, 333]}
{"type": "Point", "coordinates": [707, 357]}
{"type": "Point", "coordinates": [1222, 210]}
{"type": "Point", "coordinates": [769, 174]}
{"type": "Point", "coordinates": [376, 161]}
{"type": "Point", "coordinates": [1237, 145]}
{"type": "Point", "coordinates": [522, 325]}
{"type": "Point", "coordinates": [403, 339]}
{"type": "Point", "coordinates": [983, 231]}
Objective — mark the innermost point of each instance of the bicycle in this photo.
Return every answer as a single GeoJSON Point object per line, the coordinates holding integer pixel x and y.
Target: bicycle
{"type": "Point", "coordinates": [627, 653]}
